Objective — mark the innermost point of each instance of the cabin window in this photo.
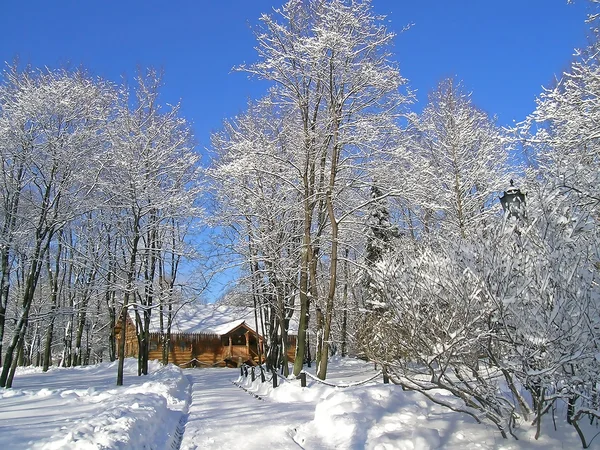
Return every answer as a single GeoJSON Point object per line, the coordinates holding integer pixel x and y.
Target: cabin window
{"type": "Point", "coordinates": [182, 345]}
{"type": "Point", "coordinates": [238, 337]}
{"type": "Point", "coordinates": [153, 345]}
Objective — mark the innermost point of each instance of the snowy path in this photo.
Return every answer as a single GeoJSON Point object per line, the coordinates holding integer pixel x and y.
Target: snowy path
{"type": "Point", "coordinates": [223, 416]}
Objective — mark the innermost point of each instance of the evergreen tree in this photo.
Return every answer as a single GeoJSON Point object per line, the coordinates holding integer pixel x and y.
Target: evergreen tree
{"type": "Point", "coordinates": [380, 231]}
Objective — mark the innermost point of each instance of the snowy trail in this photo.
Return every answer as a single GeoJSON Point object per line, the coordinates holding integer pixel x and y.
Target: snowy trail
{"type": "Point", "coordinates": [223, 416]}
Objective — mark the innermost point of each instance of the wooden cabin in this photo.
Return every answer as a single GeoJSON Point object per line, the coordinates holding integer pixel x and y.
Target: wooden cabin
{"type": "Point", "coordinates": [205, 336]}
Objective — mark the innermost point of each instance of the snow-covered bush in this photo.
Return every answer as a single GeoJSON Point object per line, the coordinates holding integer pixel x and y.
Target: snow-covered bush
{"type": "Point", "coordinates": [513, 305]}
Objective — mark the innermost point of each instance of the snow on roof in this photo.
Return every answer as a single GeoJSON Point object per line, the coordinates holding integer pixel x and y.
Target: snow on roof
{"type": "Point", "coordinates": [210, 319]}
{"type": "Point", "coordinates": [207, 319]}
{"type": "Point", "coordinates": [229, 326]}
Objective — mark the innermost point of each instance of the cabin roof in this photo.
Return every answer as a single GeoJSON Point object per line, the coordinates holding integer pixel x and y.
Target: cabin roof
{"type": "Point", "coordinates": [196, 318]}
{"type": "Point", "coordinates": [229, 327]}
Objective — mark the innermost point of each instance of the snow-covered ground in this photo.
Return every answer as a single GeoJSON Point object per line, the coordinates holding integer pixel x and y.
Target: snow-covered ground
{"type": "Point", "coordinates": [81, 408]}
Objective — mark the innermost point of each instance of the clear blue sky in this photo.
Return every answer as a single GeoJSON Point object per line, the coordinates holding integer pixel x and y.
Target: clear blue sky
{"type": "Point", "coordinates": [504, 51]}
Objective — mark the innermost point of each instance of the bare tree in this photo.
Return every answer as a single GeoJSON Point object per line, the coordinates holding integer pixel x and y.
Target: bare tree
{"type": "Point", "coordinates": [153, 181]}
{"type": "Point", "coordinates": [331, 65]}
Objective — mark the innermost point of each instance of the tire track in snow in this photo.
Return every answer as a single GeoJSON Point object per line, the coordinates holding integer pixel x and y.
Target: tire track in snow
{"type": "Point", "coordinates": [222, 416]}
{"type": "Point", "coordinates": [185, 414]}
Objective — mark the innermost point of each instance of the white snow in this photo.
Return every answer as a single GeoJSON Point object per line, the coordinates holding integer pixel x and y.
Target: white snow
{"type": "Point", "coordinates": [208, 319]}
{"type": "Point", "coordinates": [195, 317]}
{"type": "Point", "coordinates": [81, 408]}
{"type": "Point", "coordinates": [227, 327]}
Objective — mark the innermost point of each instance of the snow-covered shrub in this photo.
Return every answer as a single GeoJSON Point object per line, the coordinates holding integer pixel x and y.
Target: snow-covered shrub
{"type": "Point", "coordinates": [513, 305]}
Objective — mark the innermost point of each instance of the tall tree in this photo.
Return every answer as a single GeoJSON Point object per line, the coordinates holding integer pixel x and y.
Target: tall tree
{"type": "Point", "coordinates": [460, 161]}
{"type": "Point", "coordinates": [331, 65]}
{"type": "Point", "coordinates": [154, 179]}
{"type": "Point", "coordinates": [257, 189]}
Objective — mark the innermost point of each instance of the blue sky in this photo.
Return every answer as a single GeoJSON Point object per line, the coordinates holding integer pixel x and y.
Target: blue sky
{"type": "Point", "coordinates": [504, 51]}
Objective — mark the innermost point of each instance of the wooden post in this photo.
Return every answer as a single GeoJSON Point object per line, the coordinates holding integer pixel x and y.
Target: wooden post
{"type": "Point", "coordinates": [302, 379]}
{"type": "Point", "coordinates": [262, 375]}
{"type": "Point", "coordinates": [247, 336]}
{"type": "Point", "coordinates": [230, 348]}
{"type": "Point", "coordinates": [386, 378]}
{"type": "Point", "coordinates": [253, 375]}
{"type": "Point", "coordinates": [274, 378]}
{"type": "Point", "coordinates": [262, 349]}
{"type": "Point", "coordinates": [241, 371]}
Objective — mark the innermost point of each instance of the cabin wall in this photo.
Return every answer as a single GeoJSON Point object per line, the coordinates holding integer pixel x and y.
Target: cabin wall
{"type": "Point", "coordinates": [208, 350]}
{"type": "Point", "coordinates": [291, 348]}
{"type": "Point", "coordinates": [184, 348]}
{"type": "Point", "coordinates": [179, 350]}
{"type": "Point", "coordinates": [131, 343]}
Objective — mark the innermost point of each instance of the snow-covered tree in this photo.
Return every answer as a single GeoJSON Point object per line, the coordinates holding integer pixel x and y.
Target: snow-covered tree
{"type": "Point", "coordinates": [331, 65]}
{"type": "Point", "coordinates": [257, 189]}
{"type": "Point", "coordinates": [379, 229]}
{"type": "Point", "coordinates": [151, 179]}
{"type": "Point", "coordinates": [562, 135]}
{"type": "Point", "coordinates": [52, 128]}
{"type": "Point", "coordinates": [97, 197]}
{"type": "Point", "coordinates": [513, 303]}
{"type": "Point", "coordinates": [459, 162]}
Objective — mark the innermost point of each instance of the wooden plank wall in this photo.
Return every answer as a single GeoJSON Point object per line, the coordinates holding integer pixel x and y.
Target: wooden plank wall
{"type": "Point", "coordinates": [131, 344]}
{"type": "Point", "coordinates": [291, 349]}
{"type": "Point", "coordinates": [206, 348]}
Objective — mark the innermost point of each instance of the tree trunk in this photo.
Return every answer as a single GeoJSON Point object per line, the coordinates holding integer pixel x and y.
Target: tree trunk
{"type": "Point", "coordinates": [77, 361]}
{"type": "Point", "coordinates": [283, 328]}
{"type": "Point", "coordinates": [82, 318]}
{"type": "Point", "coordinates": [110, 297]}
{"type": "Point", "coordinates": [325, 332]}
{"type": "Point", "coordinates": [345, 306]}
{"type": "Point", "coordinates": [112, 315]}
{"type": "Point", "coordinates": [10, 221]}
{"type": "Point", "coordinates": [15, 363]}
{"type": "Point", "coordinates": [301, 341]}
{"type": "Point", "coordinates": [4, 291]}
{"type": "Point", "coordinates": [28, 294]}
{"type": "Point", "coordinates": [53, 278]}
{"type": "Point", "coordinates": [67, 359]}
{"type": "Point", "coordinates": [123, 335]}
{"type": "Point", "coordinates": [126, 296]}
